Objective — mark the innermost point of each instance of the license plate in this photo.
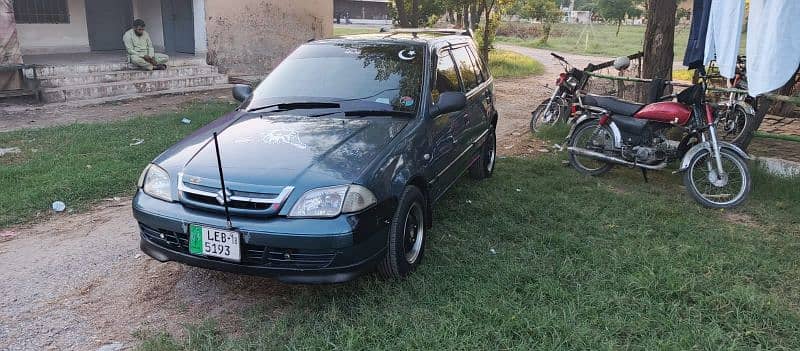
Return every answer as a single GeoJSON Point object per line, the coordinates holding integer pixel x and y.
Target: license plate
{"type": "Point", "coordinates": [214, 242]}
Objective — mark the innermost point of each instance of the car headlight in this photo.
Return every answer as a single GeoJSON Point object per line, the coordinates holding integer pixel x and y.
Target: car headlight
{"type": "Point", "coordinates": [155, 182]}
{"type": "Point", "coordinates": [332, 201]}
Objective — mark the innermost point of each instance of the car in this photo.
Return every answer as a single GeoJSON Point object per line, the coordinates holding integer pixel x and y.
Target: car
{"type": "Point", "coordinates": [331, 166]}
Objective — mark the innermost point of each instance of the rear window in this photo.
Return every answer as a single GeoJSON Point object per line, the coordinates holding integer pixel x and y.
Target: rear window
{"type": "Point", "coordinates": [465, 68]}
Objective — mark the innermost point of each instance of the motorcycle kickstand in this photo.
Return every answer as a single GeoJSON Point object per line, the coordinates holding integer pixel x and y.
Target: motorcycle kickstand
{"type": "Point", "coordinates": [644, 174]}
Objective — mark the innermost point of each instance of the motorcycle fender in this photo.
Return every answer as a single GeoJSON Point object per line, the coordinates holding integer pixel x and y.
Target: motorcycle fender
{"type": "Point", "coordinates": [687, 158]}
{"type": "Point", "coordinates": [746, 107]}
{"type": "Point", "coordinates": [586, 117]}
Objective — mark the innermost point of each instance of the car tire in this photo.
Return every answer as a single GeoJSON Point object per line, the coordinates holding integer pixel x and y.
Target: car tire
{"type": "Point", "coordinates": [406, 242]}
{"type": "Point", "coordinates": [483, 167]}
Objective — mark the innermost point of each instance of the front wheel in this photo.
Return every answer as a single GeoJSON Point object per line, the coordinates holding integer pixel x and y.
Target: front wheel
{"type": "Point", "coordinates": [556, 112]}
{"type": "Point", "coordinates": [406, 243]}
{"type": "Point", "coordinates": [714, 190]}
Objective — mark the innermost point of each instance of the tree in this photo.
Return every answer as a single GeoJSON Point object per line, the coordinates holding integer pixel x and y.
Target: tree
{"type": "Point", "coordinates": [659, 38]}
{"type": "Point", "coordinates": [544, 10]}
{"type": "Point", "coordinates": [618, 10]}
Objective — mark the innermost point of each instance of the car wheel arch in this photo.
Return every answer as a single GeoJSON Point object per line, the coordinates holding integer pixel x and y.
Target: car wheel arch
{"type": "Point", "coordinates": [422, 185]}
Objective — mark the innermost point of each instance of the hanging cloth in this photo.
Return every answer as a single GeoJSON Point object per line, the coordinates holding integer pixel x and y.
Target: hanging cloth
{"type": "Point", "coordinates": [773, 44]}
{"type": "Point", "coordinates": [724, 35]}
{"type": "Point", "coordinates": [693, 58]}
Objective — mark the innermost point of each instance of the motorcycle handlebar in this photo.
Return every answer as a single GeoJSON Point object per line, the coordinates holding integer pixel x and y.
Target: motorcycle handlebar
{"type": "Point", "coordinates": [557, 56]}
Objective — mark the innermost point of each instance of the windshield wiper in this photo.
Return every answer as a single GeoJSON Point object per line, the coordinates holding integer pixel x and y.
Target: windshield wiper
{"type": "Point", "coordinates": [296, 106]}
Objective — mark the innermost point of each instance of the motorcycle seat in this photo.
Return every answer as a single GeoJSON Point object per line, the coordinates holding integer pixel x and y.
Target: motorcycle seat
{"type": "Point", "coordinates": [613, 104]}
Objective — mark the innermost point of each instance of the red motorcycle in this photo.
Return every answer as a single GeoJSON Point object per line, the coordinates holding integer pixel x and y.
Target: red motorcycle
{"type": "Point", "coordinates": [611, 132]}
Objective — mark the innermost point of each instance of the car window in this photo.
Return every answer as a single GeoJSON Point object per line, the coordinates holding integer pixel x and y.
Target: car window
{"type": "Point", "coordinates": [466, 68]}
{"type": "Point", "coordinates": [479, 72]}
{"type": "Point", "coordinates": [446, 76]}
{"type": "Point", "coordinates": [389, 74]}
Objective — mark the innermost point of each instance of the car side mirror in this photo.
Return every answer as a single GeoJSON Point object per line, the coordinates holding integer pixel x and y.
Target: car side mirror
{"type": "Point", "coordinates": [241, 92]}
{"type": "Point", "coordinates": [449, 101]}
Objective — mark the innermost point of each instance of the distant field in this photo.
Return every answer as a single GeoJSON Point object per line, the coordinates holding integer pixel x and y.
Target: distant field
{"type": "Point", "coordinates": [602, 39]}
{"type": "Point", "coordinates": [352, 30]}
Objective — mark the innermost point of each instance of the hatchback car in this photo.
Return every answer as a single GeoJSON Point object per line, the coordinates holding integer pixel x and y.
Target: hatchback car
{"type": "Point", "coordinates": [331, 166]}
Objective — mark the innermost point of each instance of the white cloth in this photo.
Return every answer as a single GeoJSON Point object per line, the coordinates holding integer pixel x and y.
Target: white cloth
{"type": "Point", "coordinates": [773, 44]}
{"type": "Point", "coordinates": [724, 35]}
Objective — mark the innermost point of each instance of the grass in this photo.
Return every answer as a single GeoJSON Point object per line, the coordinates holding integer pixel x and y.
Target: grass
{"type": "Point", "coordinates": [581, 263]}
{"type": "Point", "coordinates": [602, 40]}
{"type": "Point", "coordinates": [83, 163]}
{"type": "Point", "coordinates": [508, 64]}
{"type": "Point", "coordinates": [339, 30]}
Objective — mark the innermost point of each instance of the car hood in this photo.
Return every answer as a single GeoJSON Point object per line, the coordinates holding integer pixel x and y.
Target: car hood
{"type": "Point", "coordinates": [293, 150]}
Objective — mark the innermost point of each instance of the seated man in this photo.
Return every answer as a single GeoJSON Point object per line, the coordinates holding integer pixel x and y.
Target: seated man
{"type": "Point", "coordinates": [140, 48]}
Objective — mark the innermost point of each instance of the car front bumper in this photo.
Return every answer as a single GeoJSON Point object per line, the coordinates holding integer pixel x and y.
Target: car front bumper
{"type": "Point", "coordinates": [293, 250]}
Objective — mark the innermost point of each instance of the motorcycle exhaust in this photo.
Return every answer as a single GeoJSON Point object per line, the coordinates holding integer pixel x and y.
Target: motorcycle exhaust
{"type": "Point", "coordinates": [604, 157]}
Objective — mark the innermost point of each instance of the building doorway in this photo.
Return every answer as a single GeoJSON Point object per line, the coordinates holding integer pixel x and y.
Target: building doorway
{"type": "Point", "coordinates": [107, 21]}
{"type": "Point", "coordinates": [178, 19]}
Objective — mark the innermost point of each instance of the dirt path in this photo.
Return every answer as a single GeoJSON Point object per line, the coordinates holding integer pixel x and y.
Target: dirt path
{"type": "Point", "coordinates": [18, 116]}
{"type": "Point", "coordinates": [79, 281]}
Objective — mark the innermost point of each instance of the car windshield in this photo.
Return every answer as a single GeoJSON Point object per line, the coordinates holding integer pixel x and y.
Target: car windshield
{"type": "Point", "coordinates": [384, 74]}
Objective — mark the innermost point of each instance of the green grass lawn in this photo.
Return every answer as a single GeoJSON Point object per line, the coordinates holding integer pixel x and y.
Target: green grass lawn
{"type": "Point", "coordinates": [580, 263]}
{"type": "Point", "coordinates": [602, 40]}
{"type": "Point", "coordinates": [83, 163]}
{"type": "Point", "coordinates": [508, 64]}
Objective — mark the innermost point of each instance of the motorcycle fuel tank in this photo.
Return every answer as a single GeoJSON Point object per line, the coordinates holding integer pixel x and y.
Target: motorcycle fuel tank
{"type": "Point", "coordinates": [665, 112]}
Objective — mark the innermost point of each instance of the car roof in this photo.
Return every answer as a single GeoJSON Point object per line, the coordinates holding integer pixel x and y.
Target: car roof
{"type": "Point", "coordinates": [404, 36]}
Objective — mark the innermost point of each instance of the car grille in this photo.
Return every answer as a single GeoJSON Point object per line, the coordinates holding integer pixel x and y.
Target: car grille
{"type": "Point", "coordinates": [252, 255]}
{"type": "Point", "coordinates": [205, 194]}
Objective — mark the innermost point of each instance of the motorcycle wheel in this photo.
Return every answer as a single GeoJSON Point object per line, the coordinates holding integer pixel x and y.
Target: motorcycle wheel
{"type": "Point", "coordinates": [584, 137]}
{"type": "Point", "coordinates": [541, 118]}
{"type": "Point", "coordinates": [735, 126]}
{"type": "Point", "coordinates": [709, 190]}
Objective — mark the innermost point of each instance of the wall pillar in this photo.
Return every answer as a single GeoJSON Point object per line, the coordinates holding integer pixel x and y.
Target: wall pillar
{"type": "Point", "coordinates": [200, 42]}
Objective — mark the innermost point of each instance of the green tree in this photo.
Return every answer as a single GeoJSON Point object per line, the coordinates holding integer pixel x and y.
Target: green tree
{"type": "Point", "coordinates": [618, 10]}
{"type": "Point", "coordinates": [544, 10]}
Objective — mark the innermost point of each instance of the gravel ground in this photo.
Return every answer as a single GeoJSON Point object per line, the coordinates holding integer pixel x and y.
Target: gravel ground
{"type": "Point", "coordinates": [79, 281]}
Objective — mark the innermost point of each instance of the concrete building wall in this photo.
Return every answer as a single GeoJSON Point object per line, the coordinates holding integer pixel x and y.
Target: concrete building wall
{"type": "Point", "coordinates": [149, 11]}
{"type": "Point", "coordinates": [63, 37]}
{"type": "Point", "coordinates": [250, 37]}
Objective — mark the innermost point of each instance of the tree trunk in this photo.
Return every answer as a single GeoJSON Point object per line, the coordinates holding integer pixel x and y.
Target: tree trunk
{"type": "Point", "coordinates": [619, 24]}
{"type": "Point", "coordinates": [415, 17]}
{"type": "Point", "coordinates": [546, 26]}
{"type": "Point", "coordinates": [402, 16]}
{"type": "Point", "coordinates": [785, 109]}
{"type": "Point", "coordinates": [465, 16]}
{"type": "Point", "coordinates": [659, 38]}
{"type": "Point", "coordinates": [487, 6]}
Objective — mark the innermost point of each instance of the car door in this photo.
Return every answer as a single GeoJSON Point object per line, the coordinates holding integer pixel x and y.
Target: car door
{"type": "Point", "coordinates": [481, 122]}
{"type": "Point", "coordinates": [442, 170]}
{"type": "Point", "coordinates": [467, 129]}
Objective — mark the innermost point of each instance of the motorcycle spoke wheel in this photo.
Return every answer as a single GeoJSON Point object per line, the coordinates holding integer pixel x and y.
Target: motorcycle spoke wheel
{"type": "Point", "coordinates": [718, 190]}
{"type": "Point", "coordinates": [591, 138]}
{"type": "Point", "coordinates": [732, 125]}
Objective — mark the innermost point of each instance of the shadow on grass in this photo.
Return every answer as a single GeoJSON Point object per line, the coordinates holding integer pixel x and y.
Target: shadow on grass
{"type": "Point", "coordinates": [576, 265]}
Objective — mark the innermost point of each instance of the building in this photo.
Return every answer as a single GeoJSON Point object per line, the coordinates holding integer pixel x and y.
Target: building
{"type": "Point", "coordinates": [361, 9]}
{"type": "Point", "coordinates": [242, 37]}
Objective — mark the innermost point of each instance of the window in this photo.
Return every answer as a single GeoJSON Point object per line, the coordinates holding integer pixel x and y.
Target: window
{"type": "Point", "coordinates": [41, 11]}
{"type": "Point", "coordinates": [466, 68]}
{"type": "Point", "coordinates": [479, 69]}
{"type": "Point", "coordinates": [446, 76]}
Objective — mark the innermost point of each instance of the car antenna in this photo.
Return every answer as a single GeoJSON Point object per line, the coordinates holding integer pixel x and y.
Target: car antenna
{"type": "Point", "coordinates": [222, 180]}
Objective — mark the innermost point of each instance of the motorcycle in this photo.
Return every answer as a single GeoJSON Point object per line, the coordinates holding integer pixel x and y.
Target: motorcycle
{"type": "Point", "coordinates": [737, 115]}
{"type": "Point", "coordinates": [566, 95]}
{"type": "Point", "coordinates": [557, 107]}
{"type": "Point", "coordinates": [611, 132]}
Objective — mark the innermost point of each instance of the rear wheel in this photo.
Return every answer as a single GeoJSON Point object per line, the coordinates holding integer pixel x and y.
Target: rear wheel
{"type": "Point", "coordinates": [556, 112]}
{"type": "Point", "coordinates": [735, 125]}
{"type": "Point", "coordinates": [588, 136]}
{"type": "Point", "coordinates": [484, 166]}
{"type": "Point", "coordinates": [713, 190]}
{"type": "Point", "coordinates": [406, 243]}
